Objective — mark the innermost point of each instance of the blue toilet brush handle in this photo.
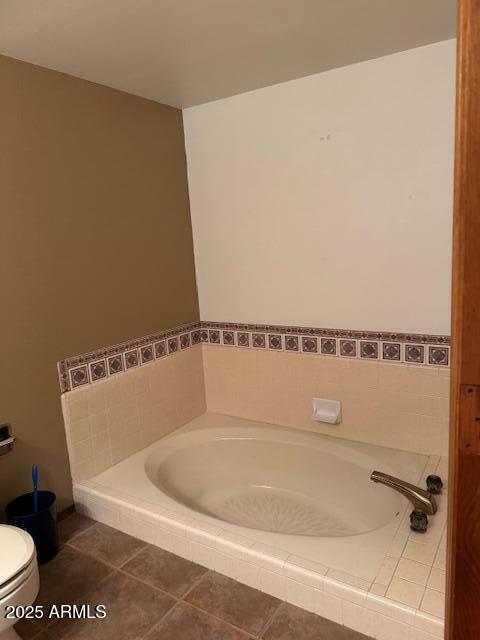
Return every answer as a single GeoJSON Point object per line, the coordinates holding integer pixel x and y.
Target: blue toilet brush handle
{"type": "Point", "coordinates": [35, 487]}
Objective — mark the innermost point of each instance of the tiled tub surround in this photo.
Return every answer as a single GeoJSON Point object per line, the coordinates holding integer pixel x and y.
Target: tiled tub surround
{"type": "Point", "coordinates": [98, 365]}
{"type": "Point", "coordinates": [119, 399]}
{"type": "Point", "coordinates": [396, 405]}
{"type": "Point", "coordinates": [110, 420]}
{"type": "Point", "coordinates": [138, 394]}
{"type": "Point", "coordinates": [404, 601]}
{"type": "Point", "coordinates": [101, 364]}
{"type": "Point", "coordinates": [420, 349]}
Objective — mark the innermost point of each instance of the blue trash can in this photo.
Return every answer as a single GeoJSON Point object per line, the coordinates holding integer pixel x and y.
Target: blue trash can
{"type": "Point", "coordinates": [42, 526]}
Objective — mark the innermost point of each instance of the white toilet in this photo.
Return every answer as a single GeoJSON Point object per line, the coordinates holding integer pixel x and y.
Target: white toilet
{"type": "Point", "coordinates": [19, 581]}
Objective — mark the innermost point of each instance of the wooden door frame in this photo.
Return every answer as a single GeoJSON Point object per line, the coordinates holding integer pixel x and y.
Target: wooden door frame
{"type": "Point", "coordinates": [463, 561]}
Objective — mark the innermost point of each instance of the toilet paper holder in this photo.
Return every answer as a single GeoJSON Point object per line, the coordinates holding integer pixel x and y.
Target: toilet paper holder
{"type": "Point", "coordinates": [6, 439]}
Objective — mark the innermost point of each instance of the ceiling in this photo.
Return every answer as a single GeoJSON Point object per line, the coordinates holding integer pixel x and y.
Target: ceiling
{"type": "Point", "coordinates": [186, 52]}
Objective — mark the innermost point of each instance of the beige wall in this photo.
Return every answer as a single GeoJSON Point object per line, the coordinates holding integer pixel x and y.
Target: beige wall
{"type": "Point", "coordinates": [95, 245]}
{"type": "Point", "coordinates": [327, 201]}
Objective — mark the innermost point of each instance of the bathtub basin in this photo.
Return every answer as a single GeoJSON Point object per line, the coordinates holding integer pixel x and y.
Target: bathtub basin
{"type": "Point", "coordinates": [276, 480]}
{"type": "Point", "coordinates": [295, 491]}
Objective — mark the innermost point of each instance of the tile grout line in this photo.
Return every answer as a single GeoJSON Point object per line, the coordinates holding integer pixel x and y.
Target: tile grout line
{"type": "Point", "coordinates": [196, 582]}
{"type": "Point", "coordinates": [177, 598]}
{"type": "Point", "coordinates": [134, 555]}
{"type": "Point", "coordinates": [210, 571]}
{"type": "Point", "coordinates": [269, 622]}
{"type": "Point", "coordinates": [147, 584]}
{"type": "Point", "coordinates": [70, 543]}
{"type": "Point", "coordinates": [209, 613]}
{"type": "Point", "coordinates": [205, 612]}
{"type": "Point", "coordinates": [91, 555]}
{"type": "Point", "coordinates": [191, 604]}
{"type": "Point", "coordinates": [161, 619]}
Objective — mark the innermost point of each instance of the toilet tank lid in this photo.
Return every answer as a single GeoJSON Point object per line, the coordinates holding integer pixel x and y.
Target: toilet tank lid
{"type": "Point", "coordinates": [16, 551]}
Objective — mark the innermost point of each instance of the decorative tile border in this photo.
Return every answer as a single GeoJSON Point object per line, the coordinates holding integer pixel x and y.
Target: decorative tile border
{"type": "Point", "coordinates": [329, 333]}
{"type": "Point", "coordinates": [427, 350]}
{"type": "Point", "coordinates": [97, 365]}
{"type": "Point", "coordinates": [103, 363]}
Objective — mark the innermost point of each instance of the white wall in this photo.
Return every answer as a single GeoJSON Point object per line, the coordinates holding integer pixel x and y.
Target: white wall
{"type": "Point", "coordinates": [326, 201]}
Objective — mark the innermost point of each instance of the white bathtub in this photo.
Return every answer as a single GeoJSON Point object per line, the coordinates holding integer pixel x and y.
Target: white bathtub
{"type": "Point", "coordinates": [295, 491]}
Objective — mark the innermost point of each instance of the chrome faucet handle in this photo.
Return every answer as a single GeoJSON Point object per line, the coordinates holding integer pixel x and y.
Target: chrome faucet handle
{"type": "Point", "coordinates": [422, 500]}
{"type": "Point", "coordinates": [434, 484]}
{"type": "Point", "coordinates": [418, 521]}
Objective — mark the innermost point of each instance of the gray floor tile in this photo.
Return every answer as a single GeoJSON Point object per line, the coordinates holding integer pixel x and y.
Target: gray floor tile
{"type": "Point", "coordinates": [164, 570]}
{"type": "Point", "coordinates": [292, 623]}
{"type": "Point", "coordinates": [233, 602]}
{"type": "Point", "coordinates": [187, 623]}
{"type": "Point", "coordinates": [107, 544]}
{"type": "Point", "coordinates": [137, 603]}
{"type": "Point", "coordinates": [27, 629]}
{"type": "Point", "coordinates": [69, 577]}
{"type": "Point", "coordinates": [72, 526]}
{"type": "Point", "coordinates": [132, 609]}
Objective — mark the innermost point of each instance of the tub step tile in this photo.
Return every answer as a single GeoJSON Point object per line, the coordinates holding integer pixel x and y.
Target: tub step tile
{"type": "Point", "coordinates": [233, 545]}
{"type": "Point", "coordinates": [268, 557]}
{"type": "Point", "coordinates": [328, 606]}
{"type": "Point", "coordinates": [272, 583]}
{"type": "Point", "coordinates": [412, 571]}
{"type": "Point", "coordinates": [305, 576]}
{"type": "Point", "coordinates": [394, 610]}
{"type": "Point", "coordinates": [359, 618]}
{"type": "Point", "coordinates": [300, 594]}
{"type": "Point", "coordinates": [204, 555]}
{"type": "Point", "coordinates": [405, 592]}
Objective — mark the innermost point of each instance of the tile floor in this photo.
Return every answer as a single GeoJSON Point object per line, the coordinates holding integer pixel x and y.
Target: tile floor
{"type": "Point", "coordinates": [152, 594]}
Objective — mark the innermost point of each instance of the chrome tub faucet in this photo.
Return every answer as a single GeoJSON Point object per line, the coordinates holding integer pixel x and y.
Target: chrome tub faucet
{"type": "Point", "coordinates": [423, 501]}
